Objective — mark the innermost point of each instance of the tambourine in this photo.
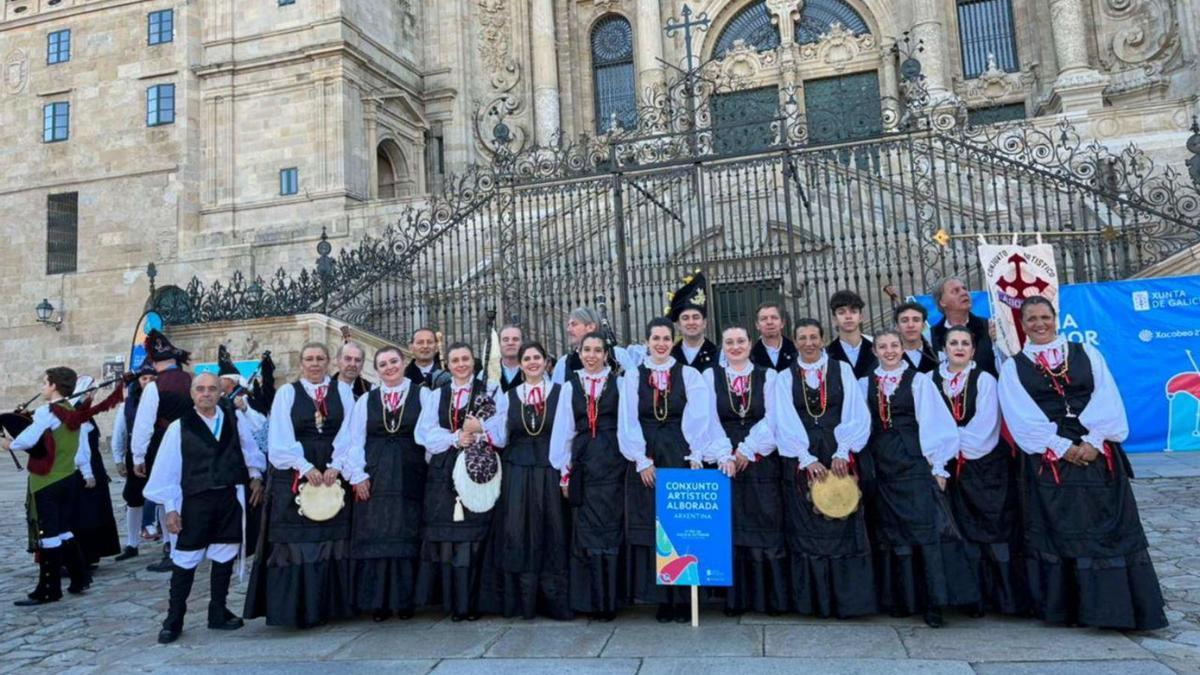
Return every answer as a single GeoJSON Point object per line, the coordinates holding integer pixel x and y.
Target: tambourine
{"type": "Point", "coordinates": [320, 502]}
{"type": "Point", "coordinates": [835, 497]}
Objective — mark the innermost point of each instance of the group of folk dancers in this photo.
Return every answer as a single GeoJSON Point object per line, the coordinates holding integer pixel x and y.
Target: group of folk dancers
{"type": "Point", "coordinates": [953, 515]}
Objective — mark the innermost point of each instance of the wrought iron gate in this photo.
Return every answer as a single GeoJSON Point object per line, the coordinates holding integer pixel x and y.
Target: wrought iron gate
{"type": "Point", "coordinates": [797, 214]}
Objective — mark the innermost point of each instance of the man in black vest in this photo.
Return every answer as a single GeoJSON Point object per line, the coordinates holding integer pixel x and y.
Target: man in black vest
{"type": "Point", "coordinates": [953, 298]}
{"type": "Point", "coordinates": [511, 338]}
{"type": "Point", "coordinates": [425, 368]}
{"type": "Point", "coordinates": [773, 349]}
{"type": "Point", "coordinates": [205, 461]}
{"type": "Point", "coordinates": [163, 401]}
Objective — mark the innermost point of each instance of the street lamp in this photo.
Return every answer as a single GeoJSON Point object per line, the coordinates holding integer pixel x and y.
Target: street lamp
{"type": "Point", "coordinates": [45, 314]}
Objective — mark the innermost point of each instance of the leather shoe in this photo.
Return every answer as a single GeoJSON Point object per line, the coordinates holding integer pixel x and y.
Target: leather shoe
{"type": "Point", "coordinates": [166, 636]}
{"type": "Point", "coordinates": [380, 615]}
{"type": "Point", "coordinates": [129, 552]}
{"type": "Point", "coordinates": [34, 601]}
{"type": "Point", "coordinates": [230, 622]}
{"type": "Point", "coordinates": [163, 565]}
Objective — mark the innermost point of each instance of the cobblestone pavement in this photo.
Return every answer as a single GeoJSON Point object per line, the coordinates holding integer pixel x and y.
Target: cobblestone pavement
{"type": "Point", "coordinates": [115, 624]}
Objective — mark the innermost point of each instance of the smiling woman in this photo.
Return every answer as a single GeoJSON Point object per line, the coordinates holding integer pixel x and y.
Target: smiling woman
{"type": "Point", "coordinates": [1089, 559]}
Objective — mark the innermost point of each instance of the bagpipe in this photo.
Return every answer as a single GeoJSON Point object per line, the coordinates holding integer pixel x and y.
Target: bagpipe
{"type": "Point", "coordinates": [477, 471]}
{"type": "Point", "coordinates": [41, 455]}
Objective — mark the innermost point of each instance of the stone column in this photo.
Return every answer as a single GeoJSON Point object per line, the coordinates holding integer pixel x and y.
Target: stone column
{"type": "Point", "coordinates": [371, 124]}
{"type": "Point", "coordinates": [1079, 87]}
{"type": "Point", "coordinates": [545, 73]}
{"type": "Point", "coordinates": [930, 33]}
{"type": "Point", "coordinates": [648, 39]}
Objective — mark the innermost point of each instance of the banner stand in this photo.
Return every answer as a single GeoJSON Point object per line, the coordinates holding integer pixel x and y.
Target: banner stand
{"type": "Point", "coordinates": [695, 606]}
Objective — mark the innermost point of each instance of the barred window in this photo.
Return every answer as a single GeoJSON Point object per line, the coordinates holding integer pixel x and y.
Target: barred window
{"type": "Point", "coordinates": [56, 122]}
{"type": "Point", "coordinates": [62, 232]}
{"type": "Point", "coordinates": [612, 74]}
{"type": "Point", "coordinates": [286, 2]}
{"type": "Point", "coordinates": [160, 27]}
{"type": "Point", "coordinates": [996, 114]}
{"type": "Point", "coordinates": [289, 181]}
{"type": "Point", "coordinates": [160, 105]}
{"type": "Point", "coordinates": [58, 47]}
{"type": "Point", "coordinates": [753, 25]}
{"type": "Point", "coordinates": [985, 29]}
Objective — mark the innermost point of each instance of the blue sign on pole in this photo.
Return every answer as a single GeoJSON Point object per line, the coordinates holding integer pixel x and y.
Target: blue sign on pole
{"type": "Point", "coordinates": [694, 514]}
{"type": "Point", "coordinates": [1149, 333]}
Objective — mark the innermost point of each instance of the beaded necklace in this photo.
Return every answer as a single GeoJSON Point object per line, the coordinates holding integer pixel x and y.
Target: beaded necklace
{"type": "Point", "coordinates": [742, 408]}
{"type": "Point", "coordinates": [821, 394]}
{"type": "Point", "coordinates": [536, 408]}
{"type": "Point", "coordinates": [663, 394]}
{"type": "Point", "coordinates": [387, 424]}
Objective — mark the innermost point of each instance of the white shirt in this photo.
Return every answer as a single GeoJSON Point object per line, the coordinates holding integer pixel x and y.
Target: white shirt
{"type": "Point", "coordinates": [937, 431]}
{"type": "Point", "coordinates": [689, 351]}
{"type": "Point", "coordinates": [349, 446]}
{"type": "Point", "coordinates": [853, 429]}
{"type": "Point", "coordinates": [437, 439]}
{"type": "Point", "coordinates": [163, 486]}
{"type": "Point", "coordinates": [980, 436]}
{"type": "Point", "coordinates": [563, 432]}
{"type": "Point", "coordinates": [761, 438]}
{"type": "Point", "coordinates": [510, 373]}
{"type": "Point", "coordinates": [1103, 417]}
{"type": "Point", "coordinates": [699, 428]}
{"type": "Point", "coordinates": [143, 423]}
{"type": "Point", "coordinates": [773, 352]}
{"type": "Point", "coordinates": [120, 435]}
{"type": "Point", "coordinates": [851, 350]}
{"type": "Point", "coordinates": [284, 451]}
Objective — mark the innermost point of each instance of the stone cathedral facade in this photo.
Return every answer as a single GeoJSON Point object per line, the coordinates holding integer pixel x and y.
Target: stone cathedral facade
{"type": "Point", "coordinates": [215, 136]}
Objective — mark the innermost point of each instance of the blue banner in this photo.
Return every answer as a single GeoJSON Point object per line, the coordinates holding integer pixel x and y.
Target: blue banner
{"type": "Point", "coordinates": [694, 533]}
{"type": "Point", "coordinates": [247, 369]}
{"type": "Point", "coordinates": [1149, 333]}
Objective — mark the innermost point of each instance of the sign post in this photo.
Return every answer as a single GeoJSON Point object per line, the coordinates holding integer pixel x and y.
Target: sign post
{"type": "Point", "coordinates": [694, 530]}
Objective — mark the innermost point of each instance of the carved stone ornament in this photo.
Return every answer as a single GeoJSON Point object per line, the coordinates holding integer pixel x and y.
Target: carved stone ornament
{"type": "Point", "coordinates": [743, 61]}
{"type": "Point", "coordinates": [16, 72]}
{"type": "Point", "coordinates": [408, 19]}
{"type": "Point", "coordinates": [837, 48]}
{"type": "Point", "coordinates": [785, 12]}
{"type": "Point", "coordinates": [1139, 43]}
{"type": "Point", "coordinates": [496, 117]}
{"type": "Point", "coordinates": [993, 84]}
{"type": "Point", "coordinates": [606, 5]}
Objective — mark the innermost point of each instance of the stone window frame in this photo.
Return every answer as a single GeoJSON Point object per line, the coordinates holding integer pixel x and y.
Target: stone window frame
{"type": "Point", "coordinates": [62, 233]}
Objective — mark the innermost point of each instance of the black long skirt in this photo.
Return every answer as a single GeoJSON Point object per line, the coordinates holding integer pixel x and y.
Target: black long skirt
{"type": "Point", "coordinates": [984, 501]}
{"type": "Point", "coordinates": [529, 545]}
{"type": "Point", "coordinates": [760, 576]}
{"type": "Point", "coordinates": [831, 567]}
{"type": "Point", "coordinates": [1087, 555]}
{"type": "Point", "coordinates": [641, 577]}
{"type": "Point", "coordinates": [451, 558]}
{"type": "Point", "coordinates": [95, 525]}
{"type": "Point", "coordinates": [302, 575]}
{"type": "Point", "coordinates": [922, 562]}
{"type": "Point", "coordinates": [597, 523]}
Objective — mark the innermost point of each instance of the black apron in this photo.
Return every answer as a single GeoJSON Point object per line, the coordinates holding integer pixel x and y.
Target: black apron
{"type": "Point", "coordinates": [388, 525]}
{"type": "Point", "coordinates": [440, 495]}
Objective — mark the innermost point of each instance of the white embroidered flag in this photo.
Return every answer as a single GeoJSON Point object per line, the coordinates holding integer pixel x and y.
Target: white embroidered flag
{"type": "Point", "coordinates": [1012, 273]}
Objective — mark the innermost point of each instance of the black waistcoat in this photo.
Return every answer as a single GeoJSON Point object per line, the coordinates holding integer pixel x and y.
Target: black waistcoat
{"type": "Point", "coordinates": [525, 449]}
{"type": "Point", "coordinates": [821, 439]}
{"type": "Point", "coordinates": [970, 394]}
{"type": "Point", "coordinates": [318, 443]}
{"type": "Point", "coordinates": [1076, 393]}
{"type": "Point", "coordinates": [209, 462]}
{"type": "Point", "coordinates": [706, 357]}
{"type": "Point", "coordinates": [606, 407]}
{"type": "Point", "coordinates": [787, 355]}
{"type": "Point", "coordinates": [736, 427]}
{"type": "Point", "coordinates": [903, 406]}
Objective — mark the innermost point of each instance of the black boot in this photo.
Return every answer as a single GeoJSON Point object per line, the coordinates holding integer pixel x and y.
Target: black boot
{"type": "Point", "coordinates": [76, 566]}
{"type": "Point", "coordinates": [129, 552]}
{"type": "Point", "coordinates": [49, 587]}
{"type": "Point", "coordinates": [219, 616]}
{"type": "Point", "coordinates": [181, 588]}
{"type": "Point", "coordinates": [163, 565]}
{"type": "Point", "coordinates": [933, 617]}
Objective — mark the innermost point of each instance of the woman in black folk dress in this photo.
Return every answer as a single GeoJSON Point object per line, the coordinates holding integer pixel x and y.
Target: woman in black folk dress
{"type": "Point", "coordinates": [922, 561]}
{"type": "Point", "coordinates": [301, 575]}
{"type": "Point", "coordinates": [664, 423]}
{"type": "Point", "coordinates": [981, 490]}
{"type": "Point", "coordinates": [584, 448]}
{"type": "Point", "coordinates": [453, 535]}
{"type": "Point", "coordinates": [742, 397]}
{"type": "Point", "coordinates": [1086, 551]}
{"type": "Point", "coordinates": [95, 526]}
{"type": "Point", "coordinates": [378, 454]}
{"type": "Point", "coordinates": [822, 426]}
{"type": "Point", "coordinates": [529, 532]}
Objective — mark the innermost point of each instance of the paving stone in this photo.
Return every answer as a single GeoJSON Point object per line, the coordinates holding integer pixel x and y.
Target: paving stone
{"type": "Point", "coordinates": [785, 666]}
{"type": "Point", "coordinates": [1075, 668]}
{"type": "Point", "coordinates": [568, 641]}
{"type": "Point", "coordinates": [207, 646]}
{"type": "Point", "coordinates": [683, 640]}
{"type": "Point", "coordinates": [403, 667]}
{"type": "Point", "coordinates": [834, 641]}
{"type": "Point", "coordinates": [1024, 640]}
{"type": "Point", "coordinates": [453, 641]}
{"type": "Point", "coordinates": [536, 667]}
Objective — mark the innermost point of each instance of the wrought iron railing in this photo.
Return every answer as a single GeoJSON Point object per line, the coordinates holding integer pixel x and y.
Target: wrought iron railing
{"type": "Point", "coordinates": [617, 219]}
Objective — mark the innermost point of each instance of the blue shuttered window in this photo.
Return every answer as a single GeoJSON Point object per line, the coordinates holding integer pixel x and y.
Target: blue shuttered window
{"type": "Point", "coordinates": [985, 27]}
